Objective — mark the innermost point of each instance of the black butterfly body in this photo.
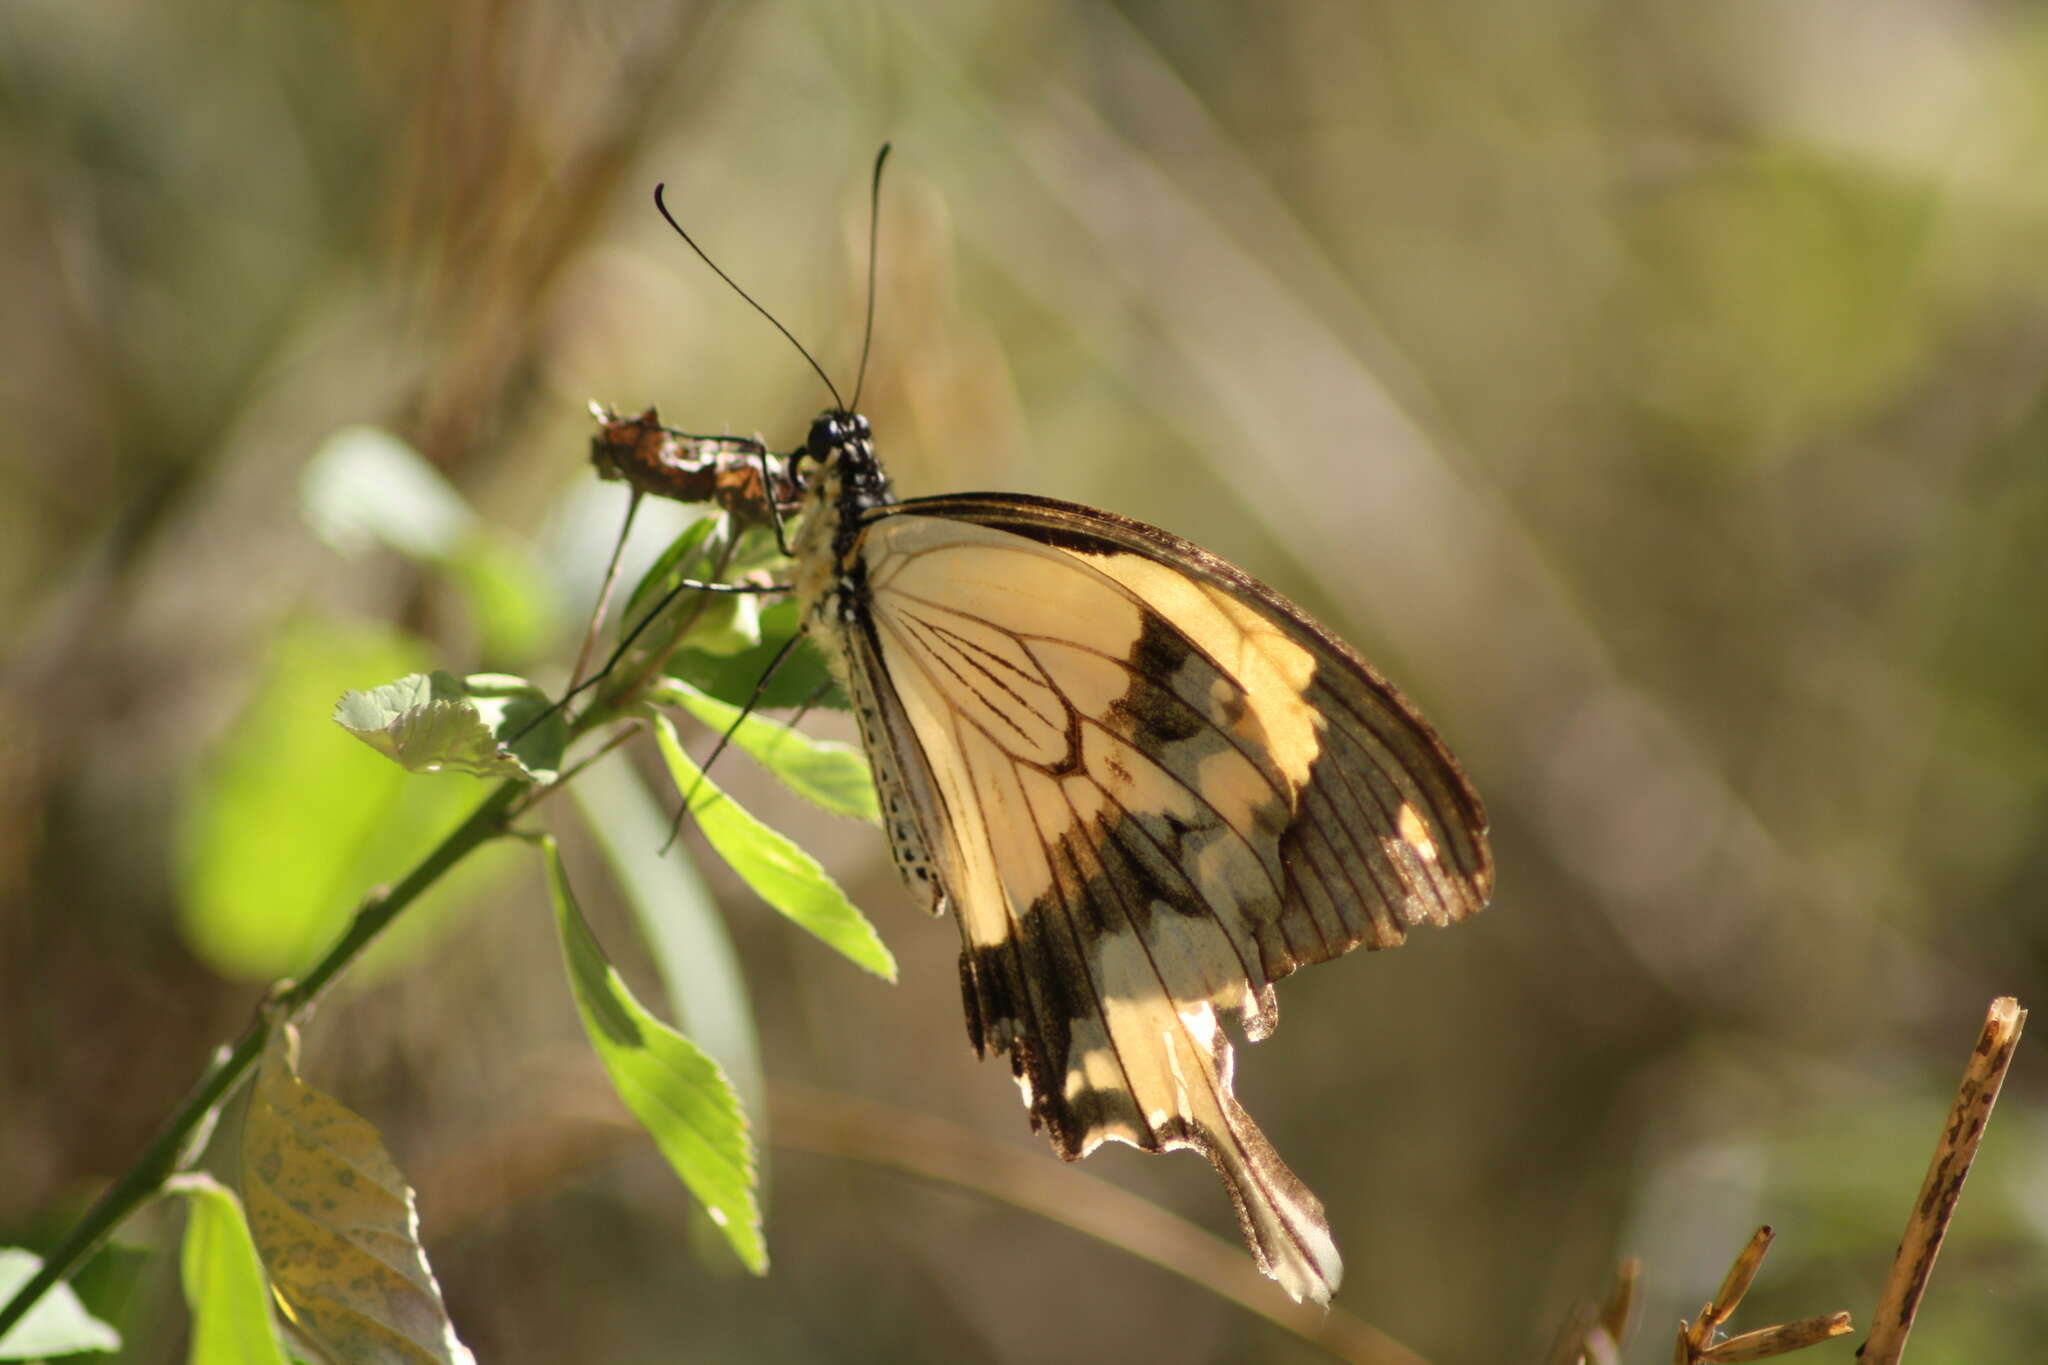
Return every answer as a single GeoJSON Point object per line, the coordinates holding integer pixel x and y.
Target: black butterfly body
{"type": "Point", "coordinates": [1145, 784]}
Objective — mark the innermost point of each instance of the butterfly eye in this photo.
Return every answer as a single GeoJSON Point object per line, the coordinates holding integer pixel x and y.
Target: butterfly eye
{"type": "Point", "coordinates": [826, 436]}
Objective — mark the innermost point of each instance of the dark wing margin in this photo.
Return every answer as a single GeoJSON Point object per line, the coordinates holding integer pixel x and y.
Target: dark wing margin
{"type": "Point", "coordinates": [1388, 833]}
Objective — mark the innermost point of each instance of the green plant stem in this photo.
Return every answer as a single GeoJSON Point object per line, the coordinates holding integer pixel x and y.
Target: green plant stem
{"type": "Point", "coordinates": [159, 1162]}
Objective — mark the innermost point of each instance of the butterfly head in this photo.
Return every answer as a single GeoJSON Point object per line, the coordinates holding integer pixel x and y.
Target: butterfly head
{"type": "Point", "coordinates": [843, 448]}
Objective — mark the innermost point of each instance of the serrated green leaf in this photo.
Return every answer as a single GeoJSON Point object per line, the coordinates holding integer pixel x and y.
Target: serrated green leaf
{"type": "Point", "coordinates": [289, 819]}
{"type": "Point", "coordinates": [834, 776]}
{"type": "Point", "coordinates": [678, 1094]}
{"type": "Point", "coordinates": [780, 873]}
{"type": "Point", "coordinates": [334, 1222]}
{"type": "Point", "coordinates": [224, 1283]}
{"type": "Point", "coordinates": [803, 679]}
{"type": "Point", "coordinates": [58, 1325]}
{"type": "Point", "coordinates": [492, 725]}
{"type": "Point", "coordinates": [426, 723]}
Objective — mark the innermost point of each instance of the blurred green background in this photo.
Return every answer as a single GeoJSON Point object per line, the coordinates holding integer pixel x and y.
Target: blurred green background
{"type": "Point", "coordinates": [1656, 391]}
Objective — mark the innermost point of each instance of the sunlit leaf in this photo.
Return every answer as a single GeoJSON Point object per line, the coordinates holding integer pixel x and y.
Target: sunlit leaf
{"type": "Point", "coordinates": [834, 776]}
{"type": "Point", "coordinates": [58, 1325]}
{"type": "Point", "coordinates": [727, 624]}
{"type": "Point", "coordinates": [427, 723]}
{"type": "Point", "coordinates": [522, 719]}
{"type": "Point", "coordinates": [732, 639]}
{"type": "Point", "coordinates": [802, 679]}
{"type": "Point", "coordinates": [679, 918]}
{"type": "Point", "coordinates": [683, 559]}
{"type": "Point", "coordinates": [224, 1284]}
{"type": "Point", "coordinates": [779, 872]}
{"type": "Point", "coordinates": [678, 1094]}
{"type": "Point", "coordinates": [290, 820]}
{"type": "Point", "coordinates": [718, 624]}
{"type": "Point", "coordinates": [335, 1224]}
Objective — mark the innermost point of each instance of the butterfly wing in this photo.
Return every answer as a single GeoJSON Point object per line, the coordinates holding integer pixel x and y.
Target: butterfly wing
{"type": "Point", "coordinates": [1148, 787]}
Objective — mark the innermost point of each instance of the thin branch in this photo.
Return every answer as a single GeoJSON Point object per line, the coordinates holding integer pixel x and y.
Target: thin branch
{"type": "Point", "coordinates": [604, 595]}
{"type": "Point", "coordinates": [1776, 1341]}
{"type": "Point", "coordinates": [1696, 1344]}
{"type": "Point", "coordinates": [1982, 1077]}
{"type": "Point", "coordinates": [159, 1161]}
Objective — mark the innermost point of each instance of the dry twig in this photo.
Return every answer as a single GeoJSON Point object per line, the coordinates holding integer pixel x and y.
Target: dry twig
{"type": "Point", "coordinates": [1696, 1344]}
{"type": "Point", "coordinates": [1953, 1154]}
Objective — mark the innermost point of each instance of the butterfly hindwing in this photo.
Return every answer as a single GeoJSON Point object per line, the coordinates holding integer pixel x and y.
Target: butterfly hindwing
{"type": "Point", "coordinates": [1147, 787]}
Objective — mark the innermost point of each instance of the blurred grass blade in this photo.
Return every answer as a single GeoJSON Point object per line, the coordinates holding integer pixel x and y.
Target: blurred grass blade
{"type": "Point", "coordinates": [335, 1224]}
{"type": "Point", "coordinates": [365, 486]}
{"type": "Point", "coordinates": [515, 605]}
{"type": "Point", "coordinates": [833, 776]}
{"type": "Point", "coordinates": [224, 1283]}
{"type": "Point", "coordinates": [779, 872]}
{"type": "Point", "coordinates": [58, 1325]}
{"type": "Point", "coordinates": [678, 1094]}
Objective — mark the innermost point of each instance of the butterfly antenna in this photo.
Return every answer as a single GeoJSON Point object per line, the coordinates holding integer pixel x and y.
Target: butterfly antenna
{"type": "Point", "coordinates": [867, 339]}
{"type": "Point", "coordinates": [692, 244]}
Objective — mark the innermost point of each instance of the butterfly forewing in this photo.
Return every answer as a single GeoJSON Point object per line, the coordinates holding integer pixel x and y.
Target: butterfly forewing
{"type": "Point", "coordinates": [1385, 830]}
{"type": "Point", "coordinates": [1148, 787]}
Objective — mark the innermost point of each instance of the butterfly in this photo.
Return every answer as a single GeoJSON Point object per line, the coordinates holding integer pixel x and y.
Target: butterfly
{"type": "Point", "coordinates": [1144, 784]}
{"type": "Point", "coordinates": [1146, 787]}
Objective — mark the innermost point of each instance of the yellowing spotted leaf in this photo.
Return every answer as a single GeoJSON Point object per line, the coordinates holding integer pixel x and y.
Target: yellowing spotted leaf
{"type": "Point", "coordinates": [335, 1224]}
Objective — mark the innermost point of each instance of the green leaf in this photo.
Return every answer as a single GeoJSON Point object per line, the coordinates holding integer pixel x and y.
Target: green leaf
{"type": "Point", "coordinates": [364, 487]}
{"type": "Point", "coordinates": [782, 874]}
{"type": "Point", "coordinates": [224, 1282]}
{"type": "Point", "coordinates": [58, 1325]}
{"type": "Point", "coordinates": [678, 1094]}
{"type": "Point", "coordinates": [728, 624]}
{"type": "Point", "coordinates": [335, 1224]}
{"type": "Point", "coordinates": [522, 719]}
{"type": "Point", "coordinates": [802, 679]}
{"type": "Point", "coordinates": [289, 819]}
{"type": "Point", "coordinates": [427, 723]}
{"type": "Point", "coordinates": [681, 560]}
{"type": "Point", "coordinates": [834, 776]}
{"type": "Point", "coordinates": [680, 921]}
